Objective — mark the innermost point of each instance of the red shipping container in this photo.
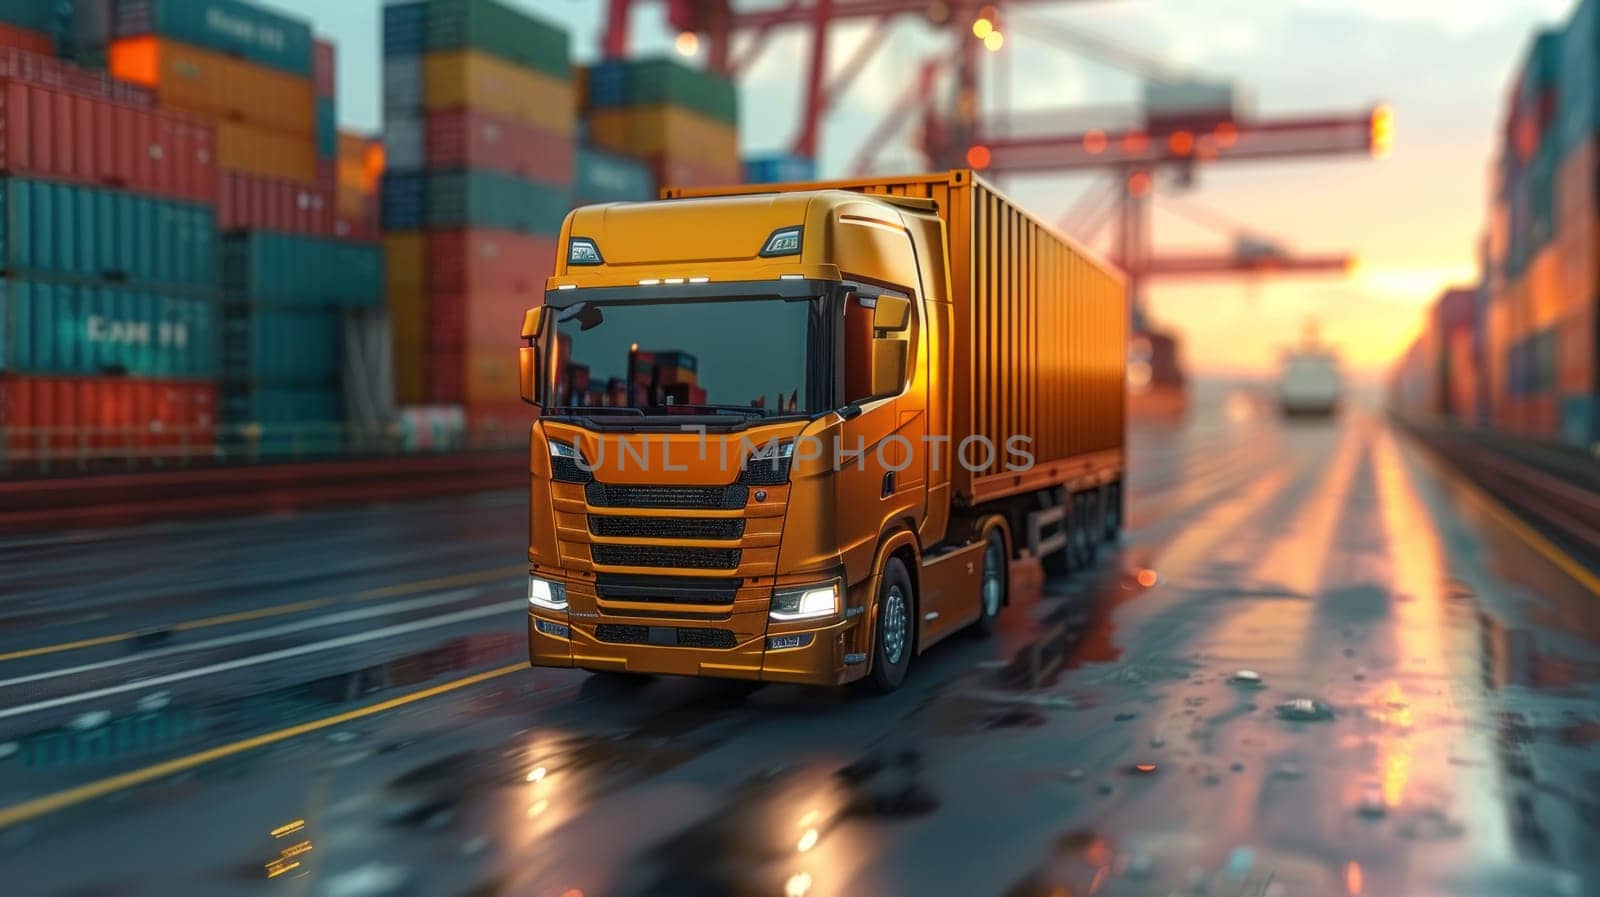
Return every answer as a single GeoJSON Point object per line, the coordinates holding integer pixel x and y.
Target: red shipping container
{"type": "Point", "coordinates": [322, 68]}
{"type": "Point", "coordinates": [68, 414]}
{"type": "Point", "coordinates": [253, 202]}
{"type": "Point", "coordinates": [489, 261]}
{"type": "Point", "coordinates": [460, 138]}
{"type": "Point", "coordinates": [35, 68]}
{"type": "Point", "coordinates": [357, 227]}
{"type": "Point", "coordinates": [54, 133]}
{"type": "Point", "coordinates": [24, 39]}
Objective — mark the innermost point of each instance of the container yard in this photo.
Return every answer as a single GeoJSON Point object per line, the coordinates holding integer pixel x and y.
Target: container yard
{"type": "Point", "coordinates": [818, 448]}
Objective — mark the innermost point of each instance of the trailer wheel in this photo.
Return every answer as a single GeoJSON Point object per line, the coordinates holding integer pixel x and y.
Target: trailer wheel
{"type": "Point", "coordinates": [893, 636]}
{"type": "Point", "coordinates": [994, 583]}
{"type": "Point", "coordinates": [1085, 528]}
{"type": "Point", "coordinates": [1112, 510]}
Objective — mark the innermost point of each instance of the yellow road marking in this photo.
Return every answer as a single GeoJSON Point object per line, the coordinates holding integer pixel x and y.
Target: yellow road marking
{"type": "Point", "coordinates": [442, 582]}
{"type": "Point", "coordinates": [1536, 540]}
{"type": "Point", "coordinates": [50, 803]}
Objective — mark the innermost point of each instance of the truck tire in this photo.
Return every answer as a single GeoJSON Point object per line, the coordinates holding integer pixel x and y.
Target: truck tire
{"type": "Point", "coordinates": [895, 630]}
{"type": "Point", "coordinates": [1085, 528]}
{"type": "Point", "coordinates": [994, 583]}
{"type": "Point", "coordinates": [1112, 510]}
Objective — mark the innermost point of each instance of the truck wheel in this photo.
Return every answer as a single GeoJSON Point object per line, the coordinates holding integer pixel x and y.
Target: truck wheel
{"type": "Point", "coordinates": [1112, 510]}
{"type": "Point", "coordinates": [994, 583]}
{"type": "Point", "coordinates": [895, 630]}
{"type": "Point", "coordinates": [1083, 532]}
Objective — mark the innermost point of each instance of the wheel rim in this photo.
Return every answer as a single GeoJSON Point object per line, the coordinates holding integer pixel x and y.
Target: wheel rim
{"type": "Point", "coordinates": [894, 625]}
{"type": "Point", "coordinates": [993, 580]}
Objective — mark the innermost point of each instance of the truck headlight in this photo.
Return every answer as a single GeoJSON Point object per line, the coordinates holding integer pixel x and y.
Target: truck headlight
{"type": "Point", "coordinates": [805, 602]}
{"type": "Point", "coordinates": [768, 465]}
{"type": "Point", "coordinates": [567, 465]}
{"type": "Point", "coordinates": [547, 595]}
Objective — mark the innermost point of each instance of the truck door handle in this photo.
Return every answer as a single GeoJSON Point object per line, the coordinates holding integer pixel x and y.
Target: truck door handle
{"type": "Point", "coordinates": [888, 484]}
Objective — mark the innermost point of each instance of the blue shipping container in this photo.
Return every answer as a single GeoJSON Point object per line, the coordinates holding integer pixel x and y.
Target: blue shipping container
{"type": "Point", "coordinates": [401, 201]}
{"type": "Point", "coordinates": [94, 234]}
{"type": "Point", "coordinates": [327, 129]}
{"type": "Point", "coordinates": [608, 177]}
{"type": "Point", "coordinates": [779, 169]}
{"type": "Point", "coordinates": [289, 269]}
{"type": "Point", "coordinates": [262, 345]}
{"type": "Point", "coordinates": [491, 199]}
{"type": "Point", "coordinates": [403, 26]}
{"type": "Point", "coordinates": [226, 26]}
{"type": "Point", "coordinates": [65, 328]}
{"type": "Point", "coordinates": [34, 15]}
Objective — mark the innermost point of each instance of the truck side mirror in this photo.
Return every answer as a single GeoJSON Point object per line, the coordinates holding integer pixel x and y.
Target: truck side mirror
{"type": "Point", "coordinates": [888, 366]}
{"type": "Point", "coordinates": [533, 324]}
{"type": "Point", "coordinates": [892, 313]}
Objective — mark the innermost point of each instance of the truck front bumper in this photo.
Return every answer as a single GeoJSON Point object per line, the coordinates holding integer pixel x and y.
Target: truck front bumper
{"type": "Point", "coordinates": [820, 659]}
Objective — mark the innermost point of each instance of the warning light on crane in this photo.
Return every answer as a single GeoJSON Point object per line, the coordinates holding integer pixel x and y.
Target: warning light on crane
{"type": "Point", "coordinates": [994, 41]}
{"type": "Point", "coordinates": [687, 43]}
{"type": "Point", "coordinates": [1181, 143]}
{"type": "Point", "coordinates": [979, 157]}
{"type": "Point", "coordinates": [1226, 134]}
{"type": "Point", "coordinates": [1382, 131]}
{"type": "Point", "coordinates": [982, 28]}
{"type": "Point", "coordinates": [1139, 183]}
{"type": "Point", "coordinates": [1094, 141]}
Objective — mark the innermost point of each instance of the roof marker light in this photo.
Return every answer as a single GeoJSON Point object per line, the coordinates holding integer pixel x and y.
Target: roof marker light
{"type": "Point", "coordinates": [582, 251]}
{"type": "Point", "coordinates": [567, 286]}
{"type": "Point", "coordinates": [674, 280]}
{"type": "Point", "coordinates": [784, 241]}
{"type": "Point", "coordinates": [699, 280]}
{"type": "Point", "coordinates": [650, 282]}
{"type": "Point", "coordinates": [791, 277]}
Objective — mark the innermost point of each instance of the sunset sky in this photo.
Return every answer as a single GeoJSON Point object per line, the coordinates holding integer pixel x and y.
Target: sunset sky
{"type": "Point", "coordinates": [1412, 218]}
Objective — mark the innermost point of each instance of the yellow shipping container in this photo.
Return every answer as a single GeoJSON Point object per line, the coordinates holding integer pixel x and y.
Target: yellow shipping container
{"type": "Point", "coordinates": [256, 150]}
{"type": "Point", "coordinates": [186, 77]}
{"type": "Point", "coordinates": [657, 131]}
{"type": "Point", "coordinates": [467, 79]}
{"type": "Point", "coordinates": [405, 272]}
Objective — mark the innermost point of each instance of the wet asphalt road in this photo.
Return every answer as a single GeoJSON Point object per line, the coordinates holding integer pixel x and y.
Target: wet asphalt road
{"type": "Point", "coordinates": [332, 704]}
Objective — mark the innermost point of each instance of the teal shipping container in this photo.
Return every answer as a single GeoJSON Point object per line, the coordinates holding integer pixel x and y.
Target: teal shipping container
{"type": "Point", "coordinates": [264, 346]}
{"type": "Point", "coordinates": [235, 29]}
{"type": "Point", "coordinates": [664, 81]}
{"type": "Point", "coordinates": [608, 177]}
{"type": "Point", "coordinates": [490, 199]}
{"type": "Point", "coordinates": [34, 15]}
{"type": "Point", "coordinates": [289, 269]}
{"type": "Point", "coordinates": [327, 129]}
{"type": "Point", "coordinates": [499, 30]}
{"type": "Point", "coordinates": [66, 328]}
{"type": "Point", "coordinates": [92, 234]}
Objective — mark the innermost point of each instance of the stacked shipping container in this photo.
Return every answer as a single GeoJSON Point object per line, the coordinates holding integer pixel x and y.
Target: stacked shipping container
{"type": "Point", "coordinates": [680, 121]}
{"type": "Point", "coordinates": [108, 311]}
{"type": "Point", "coordinates": [478, 130]}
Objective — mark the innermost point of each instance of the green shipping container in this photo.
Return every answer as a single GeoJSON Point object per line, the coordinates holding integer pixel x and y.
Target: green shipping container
{"type": "Point", "coordinates": [288, 407]}
{"type": "Point", "coordinates": [264, 345]}
{"type": "Point", "coordinates": [65, 328]}
{"type": "Point", "coordinates": [652, 82]}
{"type": "Point", "coordinates": [91, 234]}
{"type": "Point", "coordinates": [327, 129]}
{"type": "Point", "coordinates": [34, 15]}
{"type": "Point", "coordinates": [490, 199]}
{"type": "Point", "coordinates": [495, 28]}
{"type": "Point", "coordinates": [226, 26]}
{"type": "Point", "coordinates": [288, 269]}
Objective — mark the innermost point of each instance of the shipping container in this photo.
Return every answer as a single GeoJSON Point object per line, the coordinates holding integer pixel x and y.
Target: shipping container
{"type": "Point", "coordinates": [497, 29]}
{"type": "Point", "coordinates": [467, 79]}
{"type": "Point", "coordinates": [402, 200]}
{"type": "Point", "coordinates": [89, 233]}
{"type": "Point", "coordinates": [403, 25]}
{"type": "Point", "coordinates": [61, 415]}
{"type": "Point", "coordinates": [498, 263]}
{"type": "Point", "coordinates": [33, 15]}
{"type": "Point", "coordinates": [402, 86]}
{"type": "Point", "coordinates": [327, 129]}
{"type": "Point", "coordinates": [404, 146]}
{"type": "Point", "coordinates": [603, 176]}
{"type": "Point", "coordinates": [685, 171]}
{"type": "Point", "coordinates": [21, 65]}
{"type": "Point", "coordinates": [405, 290]}
{"type": "Point", "coordinates": [657, 82]}
{"type": "Point", "coordinates": [225, 27]}
{"type": "Point", "coordinates": [50, 327]}
{"type": "Point", "coordinates": [671, 131]}
{"type": "Point", "coordinates": [198, 80]}
{"type": "Point", "coordinates": [472, 139]}
{"type": "Point", "coordinates": [263, 345]}
{"type": "Point", "coordinates": [251, 202]}
{"type": "Point", "coordinates": [262, 151]}
{"type": "Point", "coordinates": [279, 409]}
{"type": "Point", "coordinates": [53, 133]}
{"type": "Point", "coordinates": [273, 268]}
{"type": "Point", "coordinates": [495, 201]}
{"type": "Point", "coordinates": [27, 40]}
{"type": "Point", "coordinates": [324, 69]}
{"type": "Point", "coordinates": [357, 174]}
{"type": "Point", "coordinates": [777, 169]}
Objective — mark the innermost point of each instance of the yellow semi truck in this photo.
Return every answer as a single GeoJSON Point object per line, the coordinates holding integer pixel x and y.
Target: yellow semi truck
{"type": "Point", "coordinates": [796, 433]}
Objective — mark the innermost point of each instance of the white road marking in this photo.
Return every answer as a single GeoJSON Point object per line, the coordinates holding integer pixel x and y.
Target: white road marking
{"type": "Point", "coordinates": [462, 616]}
{"type": "Point", "coordinates": [349, 616]}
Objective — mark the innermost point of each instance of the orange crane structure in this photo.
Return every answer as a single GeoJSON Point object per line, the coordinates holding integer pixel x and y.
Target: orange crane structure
{"type": "Point", "coordinates": [1185, 125]}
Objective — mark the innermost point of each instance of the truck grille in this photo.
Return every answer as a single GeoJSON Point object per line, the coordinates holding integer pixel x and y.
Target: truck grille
{"type": "Point", "coordinates": [666, 589]}
{"type": "Point", "coordinates": [667, 527]}
{"type": "Point", "coordinates": [703, 498]}
{"type": "Point", "coordinates": [676, 636]}
{"type": "Point", "coordinates": [665, 556]}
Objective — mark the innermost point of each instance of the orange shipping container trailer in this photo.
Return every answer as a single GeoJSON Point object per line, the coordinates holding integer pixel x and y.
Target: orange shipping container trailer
{"type": "Point", "coordinates": [935, 378]}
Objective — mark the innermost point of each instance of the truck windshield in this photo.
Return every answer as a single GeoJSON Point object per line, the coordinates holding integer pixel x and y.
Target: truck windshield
{"type": "Point", "coordinates": [755, 357]}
